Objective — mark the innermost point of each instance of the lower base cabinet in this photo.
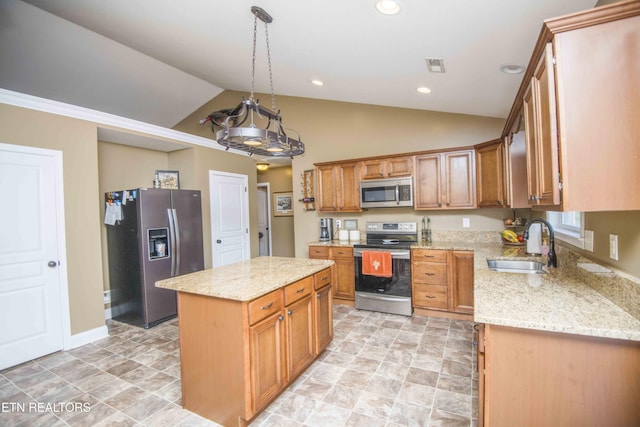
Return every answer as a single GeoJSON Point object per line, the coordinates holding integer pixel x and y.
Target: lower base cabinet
{"type": "Point", "coordinates": [237, 357]}
{"type": "Point", "coordinates": [344, 282]}
{"type": "Point", "coordinates": [539, 378]}
{"type": "Point", "coordinates": [442, 282]}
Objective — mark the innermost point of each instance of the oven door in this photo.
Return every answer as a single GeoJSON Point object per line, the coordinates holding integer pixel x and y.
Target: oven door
{"type": "Point", "coordinates": [385, 294]}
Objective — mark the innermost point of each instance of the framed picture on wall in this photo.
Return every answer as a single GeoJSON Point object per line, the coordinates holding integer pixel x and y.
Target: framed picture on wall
{"type": "Point", "coordinates": [283, 203]}
{"type": "Point", "coordinates": [169, 179]}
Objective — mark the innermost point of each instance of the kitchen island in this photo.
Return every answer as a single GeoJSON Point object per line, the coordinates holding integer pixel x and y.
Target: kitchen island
{"type": "Point", "coordinates": [247, 330]}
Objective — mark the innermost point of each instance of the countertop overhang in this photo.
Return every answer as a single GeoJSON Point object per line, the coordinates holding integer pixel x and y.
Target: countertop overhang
{"type": "Point", "coordinates": [246, 280]}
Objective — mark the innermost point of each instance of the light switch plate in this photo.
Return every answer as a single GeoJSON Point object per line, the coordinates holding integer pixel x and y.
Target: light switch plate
{"type": "Point", "coordinates": [588, 240]}
{"type": "Point", "coordinates": [613, 246]}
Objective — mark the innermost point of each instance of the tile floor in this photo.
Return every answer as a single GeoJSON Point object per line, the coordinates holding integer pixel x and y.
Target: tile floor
{"type": "Point", "coordinates": [380, 370]}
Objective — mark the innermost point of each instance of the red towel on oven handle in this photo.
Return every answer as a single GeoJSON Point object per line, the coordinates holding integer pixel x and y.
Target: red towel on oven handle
{"type": "Point", "coordinates": [375, 263]}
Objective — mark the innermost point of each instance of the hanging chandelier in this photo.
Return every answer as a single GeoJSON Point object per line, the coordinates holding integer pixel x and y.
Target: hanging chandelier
{"type": "Point", "coordinates": [268, 140]}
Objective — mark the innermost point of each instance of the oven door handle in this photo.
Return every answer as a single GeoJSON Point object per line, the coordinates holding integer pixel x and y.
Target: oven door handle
{"type": "Point", "coordinates": [394, 254]}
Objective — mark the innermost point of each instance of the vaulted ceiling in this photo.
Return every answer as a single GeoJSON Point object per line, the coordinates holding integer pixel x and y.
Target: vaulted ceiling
{"type": "Point", "coordinates": [159, 60]}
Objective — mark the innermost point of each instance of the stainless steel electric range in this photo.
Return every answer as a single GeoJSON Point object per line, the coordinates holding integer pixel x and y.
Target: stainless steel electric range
{"type": "Point", "coordinates": [386, 294]}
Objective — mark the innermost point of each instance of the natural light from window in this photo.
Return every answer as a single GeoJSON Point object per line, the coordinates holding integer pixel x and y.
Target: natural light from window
{"type": "Point", "coordinates": [568, 226]}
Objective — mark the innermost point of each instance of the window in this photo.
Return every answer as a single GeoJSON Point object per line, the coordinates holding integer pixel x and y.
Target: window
{"type": "Point", "coordinates": [568, 227]}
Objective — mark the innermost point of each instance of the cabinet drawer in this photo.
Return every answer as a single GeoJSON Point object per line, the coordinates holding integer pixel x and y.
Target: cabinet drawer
{"type": "Point", "coordinates": [264, 306]}
{"type": "Point", "coordinates": [319, 252]}
{"type": "Point", "coordinates": [297, 290]}
{"type": "Point", "coordinates": [341, 252]}
{"type": "Point", "coordinates": [429, 273]}
{"type": "Point", "coordinates": [431, 255]}
{"type": "Point", "coordinates": [322, 278]}
{"type": "Point", "coordinates": [430, 296]}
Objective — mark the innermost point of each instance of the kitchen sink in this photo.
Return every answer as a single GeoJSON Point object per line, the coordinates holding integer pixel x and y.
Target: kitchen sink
{"type": "Point", "coordinates": [516, 266]}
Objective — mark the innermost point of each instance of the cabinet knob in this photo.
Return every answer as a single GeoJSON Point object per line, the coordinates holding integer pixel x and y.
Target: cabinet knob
{"type": "Point", "coordinates": [281, 318]}
{"type": "Point", "coordinates": [289, 312]}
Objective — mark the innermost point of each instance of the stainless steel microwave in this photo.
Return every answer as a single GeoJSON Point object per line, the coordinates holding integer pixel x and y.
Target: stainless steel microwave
{"type": "Point", "coordinates": [386, 193]}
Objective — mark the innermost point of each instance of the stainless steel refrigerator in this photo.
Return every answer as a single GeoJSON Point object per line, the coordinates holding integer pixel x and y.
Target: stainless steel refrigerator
{"type": "Point", "coordinates": [158, 236]}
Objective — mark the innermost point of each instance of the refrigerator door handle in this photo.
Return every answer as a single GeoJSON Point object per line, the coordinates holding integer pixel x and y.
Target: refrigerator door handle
{"type": "Point", "coordinates": [178, 243]}
{"type": "Point", "coordinates": [172, 238]}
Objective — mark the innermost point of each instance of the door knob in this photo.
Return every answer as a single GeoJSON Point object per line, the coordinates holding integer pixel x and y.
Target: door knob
{"type": "Point", "coordinates": [52, 264]}
{"type": "Point", "coordinates": [218, 241]}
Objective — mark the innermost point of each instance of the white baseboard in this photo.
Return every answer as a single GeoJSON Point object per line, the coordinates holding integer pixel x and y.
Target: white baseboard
{"type": "Point", "coordinates": [86, 337]}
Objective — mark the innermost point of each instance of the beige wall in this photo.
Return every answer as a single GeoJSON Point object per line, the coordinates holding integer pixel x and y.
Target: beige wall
{"type": "Point", "coordinates": [282, 227]}
{"type": "Point", "coordinates": [77, 140]}
{"type": "Point", "coordinates": [627, 226]}
{"type": "Point", "coordinates": [337, 131]}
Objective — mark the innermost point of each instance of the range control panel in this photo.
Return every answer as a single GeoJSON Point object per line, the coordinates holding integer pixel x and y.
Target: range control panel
{"type": "Point", "coordinates": [394, 227]}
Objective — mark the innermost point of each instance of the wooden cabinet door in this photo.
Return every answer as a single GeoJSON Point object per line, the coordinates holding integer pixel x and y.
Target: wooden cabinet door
{"type": "Point", "coordinates": [372, 169]}
{"type": "Point", "coordinates": [461, 285]}
{"type": "Point", "coordinates": [490, 175]}
{"type": "Point", "coordinates": [400, 166]}
{"type": "Point", "coordinates": [267, 360]}
{"type": "Point", "coordinates": [460, 179]}
{"type": "Point", "coordinates": [541, 134]}
{"type": "Point", "coordinates": [428, 187]}
{"type": "Point", "coordinates": [349, 187]}
{"type": "Point", "coordinates": [327, 188]}
{"type": "Point", "coordinates": [300, 336]}
{"type": "Point", "coordinates": [547, 138]}
{"type": "Point", "coordinates": [344, 285]}
{"type": "Point", "coordinates": [323, 308]}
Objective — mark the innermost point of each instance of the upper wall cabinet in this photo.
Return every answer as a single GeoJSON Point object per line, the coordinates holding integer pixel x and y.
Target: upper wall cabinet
{"type": "Point", "coordinates": [490, 174]}
{"type": "Point", "coordinates": [338, 187]}
{"type": "Point", "coordinates": [580, 98]}
{"type": "Point", "coordinates": [445, 180]}
{"type": "Point", "coordinates": [386, 168]}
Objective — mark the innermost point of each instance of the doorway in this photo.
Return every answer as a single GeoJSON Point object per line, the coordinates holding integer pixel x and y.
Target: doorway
{"type": "Point", "coordinates": [33, 276]}
{"type": "Point", "coordinates": [264, 219]}
{"type": "Point", "coordinates": [229, 205]}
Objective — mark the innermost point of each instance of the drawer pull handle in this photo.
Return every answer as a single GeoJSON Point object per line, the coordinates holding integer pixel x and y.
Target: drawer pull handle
{"type": "Point", "coordinates": [429, 274]}
{"type": "Point", "coordinates": [266, 307]}
{"type": "Point", "coordinates": [324, 278]}
{"type": "Point", "coordinates": [429, 256]}
{"type": "Point", "coordinates": [429, 296]}
{"type": "Point", "coordinates": [300, 290]}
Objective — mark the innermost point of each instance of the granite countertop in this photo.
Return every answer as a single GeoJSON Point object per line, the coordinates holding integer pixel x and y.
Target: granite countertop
{"type": "Point", "coordinates": [246, 280]}
{"type": "Point", "coordinates": [562, 300]}
{"type": "Point", "coordinates": [568, 299]}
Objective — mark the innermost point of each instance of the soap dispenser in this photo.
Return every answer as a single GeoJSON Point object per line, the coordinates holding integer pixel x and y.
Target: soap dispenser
{"type": "Point", "coordinates": [534, 241]}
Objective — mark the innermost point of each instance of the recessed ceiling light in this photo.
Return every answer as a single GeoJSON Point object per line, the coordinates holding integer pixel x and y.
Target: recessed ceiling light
{"type": "Point", "coordinates": [388, 7]}
{"type": "Point", "coordinates": [424, 90]}
{"type": "Point", "coordinates": [512, 69]}
{"type": "Point", "coordinates": [317, 82]}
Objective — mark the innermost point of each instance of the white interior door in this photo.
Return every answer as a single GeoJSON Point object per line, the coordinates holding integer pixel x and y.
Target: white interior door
{"type": "Point", "coordinates": [229, 217]}
{"type": "Point", "coordinates": [264, 217]}
{"type": "Point", "coordinates": [31, 300]}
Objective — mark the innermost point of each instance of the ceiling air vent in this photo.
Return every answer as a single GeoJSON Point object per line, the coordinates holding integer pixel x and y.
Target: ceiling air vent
{"type": "Point", "coordinates": [435, 65]}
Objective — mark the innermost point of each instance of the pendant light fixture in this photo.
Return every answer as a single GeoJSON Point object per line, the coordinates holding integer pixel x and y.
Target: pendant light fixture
{"type": "Point", "coordinates": [269, 140]}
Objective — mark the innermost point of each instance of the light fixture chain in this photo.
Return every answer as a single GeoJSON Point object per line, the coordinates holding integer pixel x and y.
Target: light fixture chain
{"type": "Point", "coordinates": [253, 59]}
{"type": "Point", "coordinates": [273, 98]}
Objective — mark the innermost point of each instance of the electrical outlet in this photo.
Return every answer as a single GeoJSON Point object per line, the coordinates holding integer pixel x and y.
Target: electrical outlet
{"type": "Point", "coordinates": [107, 297]}
{"type": "Point", "coordinates": [338, 223]}
{"type": "Point", "coordinates": [613, 246]}
{"type": "Point", "coordinates": [465, 223]}
{"type": "Point", "coordinates": [588, 240]}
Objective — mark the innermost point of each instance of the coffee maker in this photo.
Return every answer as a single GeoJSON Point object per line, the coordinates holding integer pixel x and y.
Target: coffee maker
{"type": "Point", "coordinates": [326, 229]}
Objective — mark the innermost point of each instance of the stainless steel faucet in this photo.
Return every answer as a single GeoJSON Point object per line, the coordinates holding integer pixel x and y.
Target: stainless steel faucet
{"type": "Point", "coordinates": [552, 260]}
